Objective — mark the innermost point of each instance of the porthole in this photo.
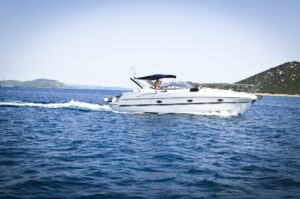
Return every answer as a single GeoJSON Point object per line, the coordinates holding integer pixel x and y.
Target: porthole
{"type": "Point", "coordinates": [220, 100]}
{"type": "Point", "coordinates": [159, 101]}
{"type": "Point", "coordinates": [189, 100]}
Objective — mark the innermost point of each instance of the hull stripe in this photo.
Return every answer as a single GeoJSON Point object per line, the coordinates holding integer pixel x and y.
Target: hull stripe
{"type": "Point", "coordinates": [164, 98]}
{"type": "Point", "coordinates": [126, 105]}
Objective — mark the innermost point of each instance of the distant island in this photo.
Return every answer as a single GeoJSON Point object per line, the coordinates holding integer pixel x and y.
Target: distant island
{"type": "Point", "coordinates": [49, 83]}
{"type": "Point", "coordinates": [38, 83]}
{"type": "Point", "coordinates": [282, 79]}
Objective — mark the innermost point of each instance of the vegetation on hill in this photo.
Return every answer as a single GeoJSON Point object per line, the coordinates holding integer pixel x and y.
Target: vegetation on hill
{"type": "Point", "coordinates": [283, 79]}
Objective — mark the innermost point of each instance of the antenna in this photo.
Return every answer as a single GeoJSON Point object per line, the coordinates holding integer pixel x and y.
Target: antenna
{"type": "Point", "coordinates": [133, 71]}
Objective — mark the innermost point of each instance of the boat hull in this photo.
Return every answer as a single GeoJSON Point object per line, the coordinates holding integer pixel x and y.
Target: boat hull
{"type": "Point", "coordinates": [230, 107]}
{"type": "Point", "coordinates": [183, 101]}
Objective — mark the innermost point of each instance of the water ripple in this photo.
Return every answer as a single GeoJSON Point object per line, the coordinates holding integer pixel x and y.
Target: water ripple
{"type": "Point", "coordinates": [64, 152]}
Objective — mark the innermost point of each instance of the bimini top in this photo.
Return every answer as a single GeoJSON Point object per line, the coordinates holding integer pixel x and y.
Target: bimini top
{"type": "Point", "coordinates": [156, 77]}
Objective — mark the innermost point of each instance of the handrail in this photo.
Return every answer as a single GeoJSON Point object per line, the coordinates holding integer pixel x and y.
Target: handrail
{"type": "Point", "coordinates": [136, 82]}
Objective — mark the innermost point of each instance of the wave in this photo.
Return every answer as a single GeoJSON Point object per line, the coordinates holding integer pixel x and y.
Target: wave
{"type": "Point", "coordinates": [70, 105]}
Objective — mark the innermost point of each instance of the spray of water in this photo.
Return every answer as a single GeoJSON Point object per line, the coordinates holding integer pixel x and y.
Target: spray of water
{"type": "Point", "coordinates": [70, 105]}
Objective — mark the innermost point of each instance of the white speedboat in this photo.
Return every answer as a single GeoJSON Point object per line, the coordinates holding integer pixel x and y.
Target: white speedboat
{"type": "Point", "coordinates": [178, 97]}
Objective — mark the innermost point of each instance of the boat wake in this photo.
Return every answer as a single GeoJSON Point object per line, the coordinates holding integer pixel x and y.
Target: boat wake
{"type": "Point", "coordinates": [69, 105]}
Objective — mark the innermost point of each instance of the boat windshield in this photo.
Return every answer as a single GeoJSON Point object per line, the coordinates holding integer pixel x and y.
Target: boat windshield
{"type": "Point", "coordinates": [176, 85]}
{"type": "Point", "coordinates": [166, 84]}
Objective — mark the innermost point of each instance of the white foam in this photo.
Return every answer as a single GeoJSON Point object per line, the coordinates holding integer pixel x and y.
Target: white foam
{"type": "Point", "coordinates": [71, 105]}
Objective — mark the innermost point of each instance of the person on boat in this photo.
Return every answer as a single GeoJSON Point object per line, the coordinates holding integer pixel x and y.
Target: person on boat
{"type": "Point", "coordinates": [157, 84]}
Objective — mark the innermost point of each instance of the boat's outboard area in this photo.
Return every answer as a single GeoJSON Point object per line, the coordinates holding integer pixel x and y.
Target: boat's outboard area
{"type": "Point", "coordinates": [112, 99]}
{"type": "Point", "coordinates": [108, 99]}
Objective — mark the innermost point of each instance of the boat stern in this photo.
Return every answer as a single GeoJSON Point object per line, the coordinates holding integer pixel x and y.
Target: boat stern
{"type": "Point", "coordinates": [111, 99]}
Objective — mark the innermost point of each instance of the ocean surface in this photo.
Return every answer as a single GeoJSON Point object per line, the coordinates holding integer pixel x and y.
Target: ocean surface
{"type": "Point", "coordinates": [63, 143]}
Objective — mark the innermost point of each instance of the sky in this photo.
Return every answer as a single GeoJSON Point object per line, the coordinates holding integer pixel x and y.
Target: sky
{"type": "Point", "coordinates": [100, 42]}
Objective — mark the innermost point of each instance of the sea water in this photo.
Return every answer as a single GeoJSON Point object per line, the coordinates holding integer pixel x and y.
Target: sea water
{"type": "Point", "coordinates": [64, 143]}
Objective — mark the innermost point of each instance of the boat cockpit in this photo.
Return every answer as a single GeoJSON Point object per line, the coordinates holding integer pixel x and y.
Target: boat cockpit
{"type": "Point", "coordinates": [156, 82]}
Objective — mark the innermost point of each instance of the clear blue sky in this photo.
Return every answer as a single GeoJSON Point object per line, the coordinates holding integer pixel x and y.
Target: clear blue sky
{"type": "Point", "coordinates": [97, 42]}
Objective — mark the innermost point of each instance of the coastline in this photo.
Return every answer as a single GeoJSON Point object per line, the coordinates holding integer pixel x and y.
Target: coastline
{"type": "Point", "coordinates": [277, 94]}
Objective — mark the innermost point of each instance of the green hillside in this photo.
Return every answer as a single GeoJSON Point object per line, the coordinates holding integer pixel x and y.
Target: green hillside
{"type": "Point", "coordinates": [283, 79]}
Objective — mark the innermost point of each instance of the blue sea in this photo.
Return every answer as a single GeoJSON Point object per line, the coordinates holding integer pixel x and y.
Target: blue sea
{"type": "Point", "coordinates": [63, 143]}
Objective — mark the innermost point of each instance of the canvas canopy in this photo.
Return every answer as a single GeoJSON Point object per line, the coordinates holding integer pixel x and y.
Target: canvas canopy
{"type": "Point", "coordinates": [156, 77]}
